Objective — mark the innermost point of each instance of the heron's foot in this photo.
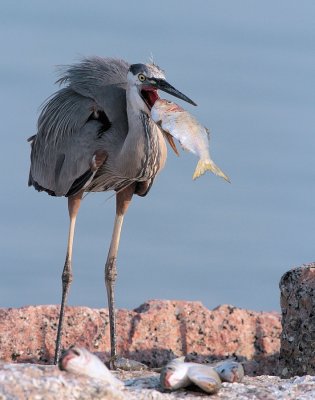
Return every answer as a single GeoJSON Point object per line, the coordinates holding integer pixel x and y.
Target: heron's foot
{"type": "Point", "coordinates": [126, 364]}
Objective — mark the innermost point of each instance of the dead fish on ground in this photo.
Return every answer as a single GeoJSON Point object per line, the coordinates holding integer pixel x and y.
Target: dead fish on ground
{"type": "Point", "coordinates": [174, 374]}
{"type": "Point", "coordinates": [78, 360]}
{"type": "Point", "coordinates": [179, 374]}
{"type": "Point", "coordinates": [192, 136]}
{"type": "Point", "coordinates": [230, 371]}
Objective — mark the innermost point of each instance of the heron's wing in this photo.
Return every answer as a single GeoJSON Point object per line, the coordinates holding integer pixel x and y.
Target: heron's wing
{"type": "Point", "coordinates": [101, 79]}
{"type": "Point", "coordinates": [87, 115]}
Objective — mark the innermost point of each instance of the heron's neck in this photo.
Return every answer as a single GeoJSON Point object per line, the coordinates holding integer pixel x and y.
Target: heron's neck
{"type": "Point", "coordinates": [135, 103]}
{"type": "Point", "coordinates": [135, 109]}
{"type": "Point", "coordinates": [133, 149]}
{"type": "Point", "coordinates": [141, 151]}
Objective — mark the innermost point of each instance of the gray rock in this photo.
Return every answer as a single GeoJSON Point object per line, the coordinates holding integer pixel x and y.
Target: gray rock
{"type": "Point", "coordinates": [297, 352]}
{"type": "Point", "coordinates": [38, 382]}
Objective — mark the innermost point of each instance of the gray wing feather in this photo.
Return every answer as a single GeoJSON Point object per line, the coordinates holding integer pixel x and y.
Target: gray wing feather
{"type": "Point", "coordinates": [93, 76]}
{"type": "Point", "coordinates": [66, 140]}
{"type": "Point", "coordinates": [63, 114]}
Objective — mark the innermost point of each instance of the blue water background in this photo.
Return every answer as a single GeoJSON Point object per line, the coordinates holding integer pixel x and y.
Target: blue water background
{"type": "Point", "coordinates": [250, 67]}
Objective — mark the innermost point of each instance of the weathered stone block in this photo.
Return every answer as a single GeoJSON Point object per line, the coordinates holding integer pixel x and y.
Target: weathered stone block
{"type": "Point", "coordinates": [297, 354]}
{"type": "Point", "coordinates": [154, 333]}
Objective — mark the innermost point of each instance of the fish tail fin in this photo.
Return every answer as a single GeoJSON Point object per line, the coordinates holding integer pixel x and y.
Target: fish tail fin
{"type": "Point", "coordinates": [209, 165]}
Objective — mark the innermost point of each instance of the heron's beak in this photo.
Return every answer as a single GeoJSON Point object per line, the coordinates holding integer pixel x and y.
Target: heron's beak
{"type": "Point", "coordinates": [161, 84]}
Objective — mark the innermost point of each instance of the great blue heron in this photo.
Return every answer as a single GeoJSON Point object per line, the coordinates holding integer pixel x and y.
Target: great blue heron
{"type": "Point", "coordinates": [94, 135]}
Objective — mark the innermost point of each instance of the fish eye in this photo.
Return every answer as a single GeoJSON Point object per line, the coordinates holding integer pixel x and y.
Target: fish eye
{"type": "Point", "coordinates": [141, 77]}
{"type": "Point", "coordinates": [75, 351]}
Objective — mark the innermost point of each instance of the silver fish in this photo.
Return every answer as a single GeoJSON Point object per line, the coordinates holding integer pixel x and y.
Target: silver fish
{"type": "Point", "coordinates": [205, 377]}
{"type": "Point", "coordinates": [179, 374]}
{"type": "Point", "coordinates": [192, 136]}
{"type": "Point", "coordinates": [230, 371]}
{"type": "Point", "coordinates": [78, 360]}
{"type": "Point", "coordinates": [174, 374]}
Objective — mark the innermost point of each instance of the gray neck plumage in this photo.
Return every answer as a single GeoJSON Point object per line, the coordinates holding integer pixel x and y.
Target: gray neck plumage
{"type": "Point", "coordinates": [140, 154]}
{"type": "Point", "coordinates": [151, 162]}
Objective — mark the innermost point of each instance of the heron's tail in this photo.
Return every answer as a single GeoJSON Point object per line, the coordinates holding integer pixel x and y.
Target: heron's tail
{"type": "Point", "coordinates": [208, 165]}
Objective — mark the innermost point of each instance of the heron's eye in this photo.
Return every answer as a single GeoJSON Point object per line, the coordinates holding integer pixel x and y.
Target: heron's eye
{"type": "Point", "coordinates": [141, 77]}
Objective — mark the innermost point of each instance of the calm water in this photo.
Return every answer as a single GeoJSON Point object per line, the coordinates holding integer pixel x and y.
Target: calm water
{"type": "Point", "coordinates": [250, 67]}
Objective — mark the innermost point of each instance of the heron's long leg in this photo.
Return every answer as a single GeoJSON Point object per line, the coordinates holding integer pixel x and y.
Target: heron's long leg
{"type": "Point", "coordinates": [73, 207]}
{"type": "Point", "coordinates": [123, 200]}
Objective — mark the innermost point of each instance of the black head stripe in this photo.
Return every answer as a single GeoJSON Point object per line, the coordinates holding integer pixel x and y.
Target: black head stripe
{"type": "Point", "coordinates": [137, 68]}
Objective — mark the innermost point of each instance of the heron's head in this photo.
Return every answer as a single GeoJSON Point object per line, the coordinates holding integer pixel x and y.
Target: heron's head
{"type": "Point", "coordinates": [146, 80]}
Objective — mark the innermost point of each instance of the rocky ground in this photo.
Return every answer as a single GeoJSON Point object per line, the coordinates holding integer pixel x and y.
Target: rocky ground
{"type": "Point", "coordinates": [154, 333]}
{"type": "Point", "coordinates": [30, 382]}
